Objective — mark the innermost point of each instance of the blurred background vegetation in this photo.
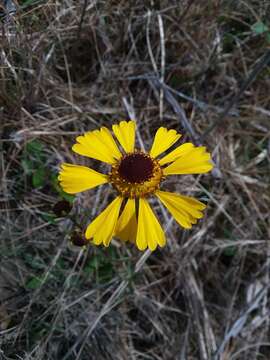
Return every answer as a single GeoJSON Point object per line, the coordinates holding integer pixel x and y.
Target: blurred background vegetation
{"type": "Point", "coordinates": [71, 66]}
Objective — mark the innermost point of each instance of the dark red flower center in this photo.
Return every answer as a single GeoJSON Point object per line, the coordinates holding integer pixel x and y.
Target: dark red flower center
{"type": "Point", "coordinates": [136, 168]}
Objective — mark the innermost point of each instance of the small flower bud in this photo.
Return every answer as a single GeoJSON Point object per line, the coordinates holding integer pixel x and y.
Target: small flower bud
{"type": "Point", "coordinates": [62, 208]}
{"type": "Point", "coordinates": [78, 239]}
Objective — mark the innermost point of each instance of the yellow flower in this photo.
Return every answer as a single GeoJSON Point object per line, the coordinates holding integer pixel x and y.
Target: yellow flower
{"type": "Point", "coordinates": [136, 175]}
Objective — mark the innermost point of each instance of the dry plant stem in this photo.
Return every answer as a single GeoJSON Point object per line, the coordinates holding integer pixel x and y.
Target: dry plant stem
{"type": "Point", "coordinates": [240, 322]}
{"type": "Point", "coordinates": [201, 105]}
{"type": "Point", "coordinates": [162, 71]}
{"type": "Point", "coordinates": [264, 61]}
{"type": "Point", "coordinates": [186, 10]}
{"type": "Point", "coordinates": [180, 113]}
{"type": "Point", "coordinates": [108, 306]}
{"type": "Point", "coordinates": [82, 19]}
{"type": "Point", "coordinates": [203, 326]}
{"type": "Point", "coordinates": [37, 293]}
{"type": "Point", "coordinates": [59, 304]}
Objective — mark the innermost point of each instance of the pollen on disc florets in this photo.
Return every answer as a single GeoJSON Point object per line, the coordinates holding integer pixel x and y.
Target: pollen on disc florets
{"type": "Point", "coordinates": [136, 174]}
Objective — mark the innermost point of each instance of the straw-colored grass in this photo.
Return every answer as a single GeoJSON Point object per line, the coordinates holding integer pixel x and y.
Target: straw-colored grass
{"type": "Point", "coordinates": [201, 67]}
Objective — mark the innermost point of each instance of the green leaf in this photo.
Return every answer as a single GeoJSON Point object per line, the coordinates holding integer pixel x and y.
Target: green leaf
{"type": "Point", "coordinates": [230, 251]}
{"type": "Point", "coordinates": [66, 196]}
{"type": "Point", "coordinates": [34, 147]}
{"type": "Point", "coordinates": [54, 182]}
{"type": "Point", "coordinates": [34, 151]}
{"type": "Point", "coordinates": [50, 218]}
{"type": "Point", "coordinates": [34, 262]}
{"type": "Point", "coordinates": [259, 28]}
{"type": "Point", "coordinates": [34, 283]}
{"type": "Point", "coordinates": [39, 177]}
{"type": "Point", "coordinates": [91, 266]}
{"type": "Point", "coordinates": [106, 272]}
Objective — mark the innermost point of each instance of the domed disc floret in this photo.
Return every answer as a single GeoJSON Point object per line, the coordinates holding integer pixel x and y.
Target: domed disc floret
{"type": "Point", "coordinates": [136, 174]}
{"type": "Point", "coordinates": [136, 168]}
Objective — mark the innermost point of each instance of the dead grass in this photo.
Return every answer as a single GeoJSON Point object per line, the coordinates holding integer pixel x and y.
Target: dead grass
{"type": "Point", "coordinates": [70, 66]}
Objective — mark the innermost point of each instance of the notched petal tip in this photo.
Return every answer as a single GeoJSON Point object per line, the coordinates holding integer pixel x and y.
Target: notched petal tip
{"type": "Point", "coordinates": [76, 148]}
{"type": "Point", "coordinates": [195, 161]}
{"type": "Point", "coordinates": [150, 233]}
{"type": "Point", "coordinates": [125, 134]}
{"type": "Point", "coordinates": [163, 140]}
{"type": "Point", "coordinates": [141, 247]}
{"type": "Point", "coordinates": [175, 154]}
{"type": "Point", "coordinates": [102, 228]}
{"type": "Point", "coordinates": [99, 145]}
{"type": "Point", "coordinates": [185, 210]}
{"type": "Point", "coordinates": [76, 178]}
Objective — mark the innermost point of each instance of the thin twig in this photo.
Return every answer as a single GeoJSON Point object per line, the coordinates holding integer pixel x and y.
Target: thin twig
{"type": "Point", "coordinates": [178, 111]}
{"type": "Point", "coordinates": [162, 65]}
{"type": "Point", "coordinates": [81, 19]}
{"type": "Point", "coordinates": [239, 324]}
{"type": "Point", "coordinates": [108, 306]}
{"type": "Point", "coordinates": [235, 98]}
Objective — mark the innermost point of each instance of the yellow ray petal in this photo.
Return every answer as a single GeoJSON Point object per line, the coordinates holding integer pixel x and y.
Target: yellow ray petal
{"type": "Point", "coordinates": [186, 210]}
{"type": "Point", "coordinates": [149, 233]}
{"type": "Point", "coordinates": [163, 140]}
{"type": "Point", "coordinates": [98, 144]}
{"type": "Point", "coordinates": [77, 178]}
{"type": "Point", "coordinates": [126, 228]}
{"type": "Point", "coordinates": [196, 161]}
{"type": "Point", "coordinates": [125, 134]}
{"type": "Point", "coordinates": [176, 153]}
{"type": "Point", "coordinates": [102, 228]}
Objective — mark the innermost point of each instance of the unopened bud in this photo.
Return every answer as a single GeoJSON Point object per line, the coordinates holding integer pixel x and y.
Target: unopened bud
{"type": "Point", "coordinates": [62, 208]}
{"type": "Point", "coordinates": [78, 239]}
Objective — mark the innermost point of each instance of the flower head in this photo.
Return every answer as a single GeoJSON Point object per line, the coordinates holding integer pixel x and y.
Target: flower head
{"type": "Point", "coordinates": [135, 175]}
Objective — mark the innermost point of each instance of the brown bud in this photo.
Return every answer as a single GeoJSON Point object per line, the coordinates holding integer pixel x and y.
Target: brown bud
{"type": "Point", "coordinates": [62, 208]}
{"type": "Point", "coordinates": [78, 239]}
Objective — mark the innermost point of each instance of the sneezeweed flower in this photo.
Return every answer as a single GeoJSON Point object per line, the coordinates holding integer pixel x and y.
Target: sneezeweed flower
{"type": "Point", "coordinates": [136, 176]}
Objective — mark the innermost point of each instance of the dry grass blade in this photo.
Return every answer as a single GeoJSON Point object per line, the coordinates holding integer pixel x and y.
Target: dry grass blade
{"type": "Point", "coordinates": [264, 61]}
{"type": "Point", "coordinates": [201, 68]}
